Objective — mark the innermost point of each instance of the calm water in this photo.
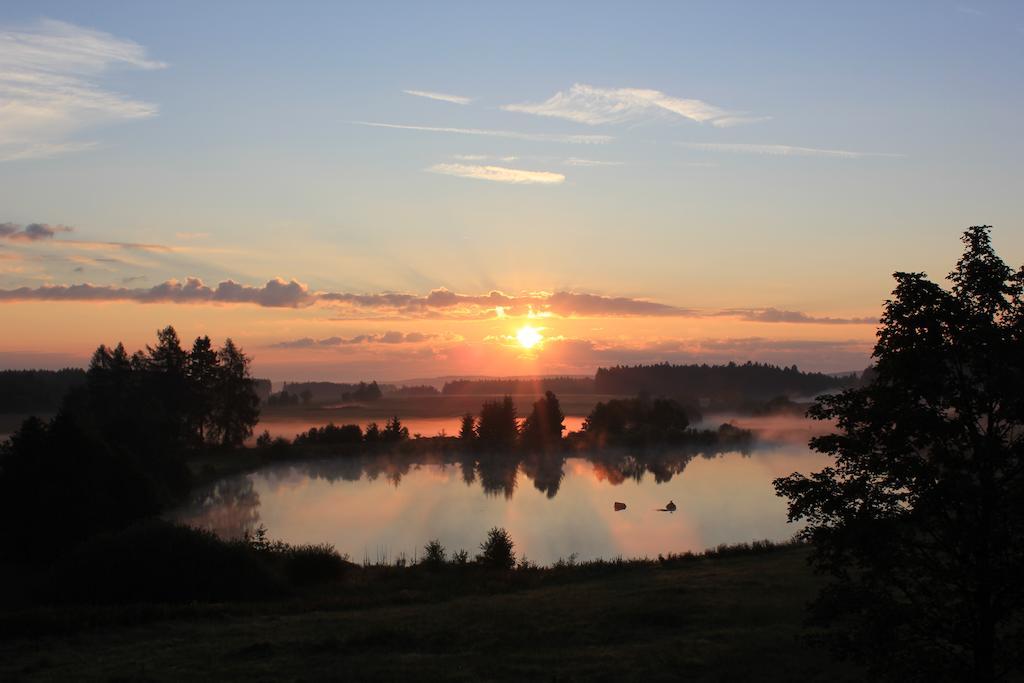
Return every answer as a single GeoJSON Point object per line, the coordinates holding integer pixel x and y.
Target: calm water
{"type": "Point", "coordinates": [379, 507]}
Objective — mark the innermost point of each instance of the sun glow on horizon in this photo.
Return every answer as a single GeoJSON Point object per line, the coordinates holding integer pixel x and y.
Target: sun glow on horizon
{"type": "Point", "coordinates": [529, 336]}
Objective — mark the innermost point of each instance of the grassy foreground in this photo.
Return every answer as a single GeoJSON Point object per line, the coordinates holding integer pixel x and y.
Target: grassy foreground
{"type": "Point", "coordinates": [734, 617]}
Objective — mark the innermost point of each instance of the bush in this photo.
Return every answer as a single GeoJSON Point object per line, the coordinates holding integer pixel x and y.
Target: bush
{"type": "Point", "coordinates": [434, 553]}
{"type": "Point", "coordinates": [497, 551]}
{"type": "Point", "coordinates": [157, 561]}
{"type": "Point", "coordinates": [307, 564]}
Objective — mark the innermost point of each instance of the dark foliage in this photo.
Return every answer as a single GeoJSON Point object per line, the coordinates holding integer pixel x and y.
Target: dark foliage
{"type": "Point", "coordinates": [417, 390]}
{"type": "Point", "coordinates": [497, 427]}
{"type": "Point", "coordinates": [156, 561]}
{"type": "Point", "coordinates": [498, 551]}
{"type": "Point", "coordinates": [363, 392]}
{"type": "Point", "coordinates": [920, 519]}
{"type": "Point", "coordinates": [37, 391]}
{"type": "Point", "coordinates": [331, 435]}
{"type": "Point", "coordinates": [544, 425]}
{"type": "Point", "coordinates": [467, 428]}
{"type": "Point", "coordinates": [721, 385]}
{"type": "Point", "coordinates": [114, 453]}
{"type": "Point", "coordinates": [519, 385]}
{"type": "Point", "coordinates": [637, 422]}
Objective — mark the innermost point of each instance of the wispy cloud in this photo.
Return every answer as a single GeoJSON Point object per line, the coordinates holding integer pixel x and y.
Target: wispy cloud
{"type": "Point", "coordinates": [48, 88]}
{"type": "Point", "coordinates": [511, 134]}
{"type": "Point", "coordinates": [482, 157]}
{"type": "Point", "coordinates": [575, 161]}
{"type": "Point", "coordinates": [499, 174]}
{"type": "Point", "coordinates": [774, 315]}
{"type": "Point", "coordinates": [391, 337]}
{"type": "Point", "coordinates": [33, 232]}
{"type": "Point", "coordinates": [593, 105]}
{"type": "Point", "coordinates": [439, 303]}
{"type": "Point", "coordinates": [782, 150]}
{"type": "Point", "coordinates": [276, 293]}
{"type": "Point", "coordinates": [443, 97]}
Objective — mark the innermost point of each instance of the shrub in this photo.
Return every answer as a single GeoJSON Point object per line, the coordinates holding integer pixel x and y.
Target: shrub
{"type": "Point", "coordinates": [157, 561]}
{"type": "Point", "coordinates": [434, 553]}
{"type": "Point", "coordinates": [307, 564]}
{"type": "Point", "coordinates": [497, 552]}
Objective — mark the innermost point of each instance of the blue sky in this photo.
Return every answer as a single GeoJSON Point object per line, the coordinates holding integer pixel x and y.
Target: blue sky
{"type": "Point", "coordinates": [749, 155]}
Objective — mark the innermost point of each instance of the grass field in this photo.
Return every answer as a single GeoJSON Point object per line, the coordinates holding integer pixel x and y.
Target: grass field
{"type": "Point", "coordinates": [719, 619]}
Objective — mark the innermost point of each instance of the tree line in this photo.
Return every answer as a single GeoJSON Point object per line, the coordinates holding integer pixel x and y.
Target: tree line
{"type": "Point", "coordinates": [115, 451]}
{"type": "Point", "coordinates": [26, 391]}
{"type": "Point", "coordinates": [728, 384]}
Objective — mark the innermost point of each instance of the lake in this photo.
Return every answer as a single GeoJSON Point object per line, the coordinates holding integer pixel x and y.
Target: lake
{"type": "Point", "coordinates": [380, 507]}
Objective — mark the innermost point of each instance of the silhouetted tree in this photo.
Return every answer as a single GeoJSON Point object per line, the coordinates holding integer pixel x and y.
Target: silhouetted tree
{"type": "Point", "coordinates": [637, 422]}
{"type": "Point", "coordinates": [497, 427]}
{"type": "Point", "coordinates": [237, 407]}
{"type": "Point", "coordinates": [544, 425]}
{"type": "Point", "coordinates": [497, 552]}
{"type": "Point", "coordinates": [202, 371]}
{"type": "Point", "coordinates": [394, 431]}
{"type": "Point", "coordinates": [372, 434]}
{"type": "Point", "coordinates": [920, 519]}
{"type": "Point", "coordinates": [467, 429]}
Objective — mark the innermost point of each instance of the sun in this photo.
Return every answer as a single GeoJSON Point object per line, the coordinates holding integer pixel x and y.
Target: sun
{"type": "Point", "coordinates": [529, 336]}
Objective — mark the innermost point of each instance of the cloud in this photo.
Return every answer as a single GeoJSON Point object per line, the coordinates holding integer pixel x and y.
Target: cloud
{"type": "Point", "coordinates": [41, 150]}
{"type": "Point", "coordinates": [593, 105]}
{"type": "Point", "coordinates": [439, 303]}
{"type": "Point", "coordinates": [782, 150]}
{"type": "Point", "coordinates": [454, 99]}
{"type": "Point", "coordinates": [499, 174]}
{"type": "Point", "coordinates": [482, 157]}
{"type": "Point", "coordinates": [774, 315]}
{"type": "Point", "coordinates": [513, 135]}
{"type": "Point", "coordinates": [276, 293]}
{"type": "Point", "coordinates": [391, 337]}
{"type": "Point", "coordinates": [33, 232]}
{"type": "Point", "coordinates": [49, 90]}
{"type": "Point", "coordinates": [574, 161]}
{"type": "Point", "coordinates": [191, 235]}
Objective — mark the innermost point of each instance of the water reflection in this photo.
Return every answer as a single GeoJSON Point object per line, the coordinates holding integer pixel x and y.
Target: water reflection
{"type": "Point", "coordinates": [554, 504]}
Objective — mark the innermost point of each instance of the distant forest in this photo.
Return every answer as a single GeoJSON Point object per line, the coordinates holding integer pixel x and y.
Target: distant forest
{"type": "Point", "coordinates": [41, 391]}
{"type": "Point", "coordinates": [24, 391]}
{"type": "Point", "coordinates": [718, 384]}
{"type": "Point", "coordinates": [519, 385]}
{"type": "Point", "coordinates": [732, 385]}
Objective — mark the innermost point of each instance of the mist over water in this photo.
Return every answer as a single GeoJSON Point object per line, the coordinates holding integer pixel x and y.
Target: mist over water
{"type": "Point", "coordinates": [378, 507]}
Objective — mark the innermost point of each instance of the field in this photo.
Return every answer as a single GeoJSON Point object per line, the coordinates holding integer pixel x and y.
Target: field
{"type": "Point", "coordinates": [735, 617]}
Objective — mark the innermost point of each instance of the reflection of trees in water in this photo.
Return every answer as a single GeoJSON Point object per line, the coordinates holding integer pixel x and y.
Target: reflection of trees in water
{"type": "Point", "coordinates": [229, 508]}
{"type": "Point", "coordinates": [546, 469]}
{"type": "Point", "coordinates": [232, 505]}
{"type": "Point", "coordinates": [498, 473]}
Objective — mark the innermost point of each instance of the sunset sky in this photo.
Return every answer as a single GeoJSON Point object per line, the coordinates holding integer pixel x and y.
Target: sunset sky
{"type": "Point", "coordinates": [397, 190]}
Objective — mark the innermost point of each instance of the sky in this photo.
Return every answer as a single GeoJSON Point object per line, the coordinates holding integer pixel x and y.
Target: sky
{"type": "Point", "coordinates": [401, 190]}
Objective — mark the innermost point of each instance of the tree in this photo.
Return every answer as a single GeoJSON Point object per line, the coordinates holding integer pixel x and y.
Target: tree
{"type": "Point", "coordinates": [237, 407]}
{"type": "Point", "coordinates": [919, 521]}
{"type": "Point", "coordinates": [467, 430]}
{"type": "Point", "coordinates": [497, 427]}
{"type": "Point", "coordinates": [202, 371]}
{"type": "Point", "coordinates": [394, 431]}
{"type": "Point", "coordinates": [497, 552]}
{"type": "Point", "coordinates": [544, 425]}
